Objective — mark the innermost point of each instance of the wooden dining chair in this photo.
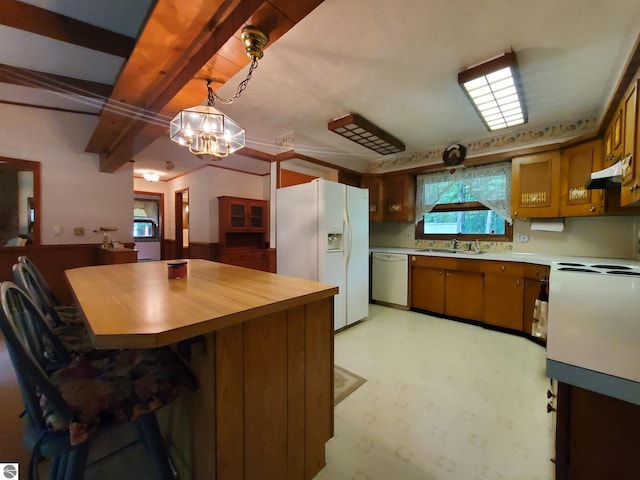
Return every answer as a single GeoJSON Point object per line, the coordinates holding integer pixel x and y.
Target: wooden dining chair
{"type": "Point", "coordinates": [66, 408]}
{"type": "Point", "coordinates": [48, 300]}
{"type": "Point", "coordinates": [71, 332]}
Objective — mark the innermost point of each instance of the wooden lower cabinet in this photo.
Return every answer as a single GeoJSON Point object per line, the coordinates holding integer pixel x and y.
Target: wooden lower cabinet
{"type": "Point", "coordinates": [503, 300]}
{"type": "Point", "coordinates": [500, 294]}
{"type": "Point", "coordinates": [596, 436]}
{"type": "Point", "coordinates": [438, 287]}
{"type": "Point", "coordinates": [258, 259]}
{"type": "Point", "coordinates": [463, 296]}
{"type": "Point", "coordinates": [428, 289]}
{"type": "Point", "coordinates": [110, 256]}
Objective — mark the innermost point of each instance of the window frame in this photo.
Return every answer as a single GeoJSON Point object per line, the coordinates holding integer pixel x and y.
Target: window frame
{"type": "Point", "coordinates": [462, 207]}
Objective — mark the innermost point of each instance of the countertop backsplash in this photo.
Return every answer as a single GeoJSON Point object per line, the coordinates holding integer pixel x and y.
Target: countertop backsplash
{"type": "Point", "coordinates": [612, 237]}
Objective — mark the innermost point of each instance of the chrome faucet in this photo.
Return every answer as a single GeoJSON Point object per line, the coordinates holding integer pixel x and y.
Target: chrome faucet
{"type": "Point", "coordinates": [454, 244]}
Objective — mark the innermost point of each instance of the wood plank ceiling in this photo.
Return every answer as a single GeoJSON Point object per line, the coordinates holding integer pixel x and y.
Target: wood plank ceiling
{"type": "Point", "coordinates": [181, 44]}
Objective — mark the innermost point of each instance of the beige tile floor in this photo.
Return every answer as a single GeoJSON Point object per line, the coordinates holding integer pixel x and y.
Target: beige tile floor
{"type": "Point", "coordinates": [443, 400]}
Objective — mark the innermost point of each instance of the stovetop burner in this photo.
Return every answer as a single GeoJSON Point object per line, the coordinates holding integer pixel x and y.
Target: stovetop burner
{"type": "Point", "coordinates": [577, 269]}
{"type": "Point", "coordinates": [611, 267]}
{"type": "Point", "coordinates": [568, 264]}
{"type": "Point", "coordinates": [623, 272]}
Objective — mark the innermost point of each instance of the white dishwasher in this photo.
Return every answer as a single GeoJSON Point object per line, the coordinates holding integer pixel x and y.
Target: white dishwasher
{"type": "Point", "coordinates": [390, 278]}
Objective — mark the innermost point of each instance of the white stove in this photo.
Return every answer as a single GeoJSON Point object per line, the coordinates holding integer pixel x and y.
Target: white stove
{"type": "Point", "coordinates": [594, 319]}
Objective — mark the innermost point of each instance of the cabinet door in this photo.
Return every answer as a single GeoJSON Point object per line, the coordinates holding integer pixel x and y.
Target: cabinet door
{"type": "Point", "coordinates": [503, 300]}
{"type": "Point", "coordinates": [464, 295]}
{"type": "Point", "coordinates": [236, 215]}
{"type": "Point", "coordinates": [257, 216]}
{"type": "Point", "coordinates": [596, 436]}
{"type": "Point", "coordinates": [535, 183]}
{"type": "Point", "coordinates": [399, 198]}
{"type": "Point", "coordinates": [427, 289]}
{"type": "Point", "coordinates": [630, 191]}
{"type": "Point", "coordinates": [577, 163]}
{"type": "Point", "coordinates": [374, 185]}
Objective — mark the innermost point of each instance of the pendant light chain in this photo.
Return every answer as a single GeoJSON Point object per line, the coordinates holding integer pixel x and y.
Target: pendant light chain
{"type": "Point", "coordinates": [212, 96]}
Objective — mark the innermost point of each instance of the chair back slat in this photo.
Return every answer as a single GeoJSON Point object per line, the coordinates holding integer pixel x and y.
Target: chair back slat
{"type": "Point", "coordinates": [27, 279]}
{"type": "Point", "coordinates": [52, 299]}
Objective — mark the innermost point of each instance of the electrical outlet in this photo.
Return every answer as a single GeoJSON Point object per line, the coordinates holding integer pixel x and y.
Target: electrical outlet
{"type": "Point", "coordinates": [78, 230]}
{"type": "Point", "coordinates": [523, 237]}
{"type": "Point", "coordinates": [409, 235]}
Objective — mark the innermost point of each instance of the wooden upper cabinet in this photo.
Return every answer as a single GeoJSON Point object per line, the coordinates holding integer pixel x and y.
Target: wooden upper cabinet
{"type": "Point", "coordinates": [576, 166]}
{"type": "Point", "coordinates": [375, 187]}
{"type": "Point", "coordinates": [399, 198]}
{"type": "Point", "coordinates": [243, 214]}
{"type": "Point", "coordinates": [535, 184]}
{"type": "Point", "coordinates": [630, 191]}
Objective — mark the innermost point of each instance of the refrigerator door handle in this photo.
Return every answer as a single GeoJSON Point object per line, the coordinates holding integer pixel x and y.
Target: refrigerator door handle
{"type": "Point", "coordinates": [347, 223]}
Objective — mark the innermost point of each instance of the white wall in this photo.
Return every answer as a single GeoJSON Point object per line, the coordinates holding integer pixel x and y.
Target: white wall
{"type": "Point", "coordinates": [614, 237]}
{"type": "Point", "coordinates": [73, 192]}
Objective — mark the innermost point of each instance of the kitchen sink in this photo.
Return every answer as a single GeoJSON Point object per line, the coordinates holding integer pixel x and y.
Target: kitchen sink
{"type": "Point", "coordinates": [449, 250]}
{"type": "Point", "coordinates": [440, 250]}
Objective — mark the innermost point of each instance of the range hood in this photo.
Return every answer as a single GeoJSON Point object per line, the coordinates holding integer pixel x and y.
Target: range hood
{"type": "Point", "coordinates": [607, 176]}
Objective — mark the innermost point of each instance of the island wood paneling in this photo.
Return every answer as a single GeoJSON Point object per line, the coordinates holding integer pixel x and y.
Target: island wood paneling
{"type": "Point", "coordinates": [296, 392]}
{"type": "Point", "coordinates": [229, 393]}
{"type": "Point", "coordinates": [274, 395]}
{"type": "Point", "coordinates": [318, 384]}
{"type": "Point", "coordinates": [265, 397]}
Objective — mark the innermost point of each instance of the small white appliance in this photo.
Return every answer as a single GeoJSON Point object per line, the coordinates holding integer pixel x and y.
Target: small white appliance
{"type": "Point", "coordinates": [322, 234]}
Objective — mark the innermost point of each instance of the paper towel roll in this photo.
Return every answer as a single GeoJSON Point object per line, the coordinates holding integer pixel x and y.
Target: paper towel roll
{"type": "Point", "coordinates": [548, 224]}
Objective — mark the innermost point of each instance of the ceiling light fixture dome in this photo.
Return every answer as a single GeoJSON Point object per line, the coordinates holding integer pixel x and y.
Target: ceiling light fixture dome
{"type": "Point", "coordinates": [151, 176]}
{"type": "Point", "coordinates": [206, 131]}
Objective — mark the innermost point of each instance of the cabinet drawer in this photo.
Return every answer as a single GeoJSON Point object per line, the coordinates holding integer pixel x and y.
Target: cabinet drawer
{"type": "Point", "coordinates": [507, 268]}
{"type": "Point", "coordinates": [433, 262]}
{"type": "Point", "coordinates": [235, 257]}
{"type": "Point", "coordinates": [261, 256]}
{"type": "Point", "coordinates": [536, 271]}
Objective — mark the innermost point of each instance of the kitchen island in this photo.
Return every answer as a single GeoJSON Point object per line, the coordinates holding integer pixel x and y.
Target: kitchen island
{"type": "Point", "coordinates": [260, 344]}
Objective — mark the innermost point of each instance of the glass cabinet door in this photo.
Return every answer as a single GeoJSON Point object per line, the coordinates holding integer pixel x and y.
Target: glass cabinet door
{"type": "Point", "coordinates": [238, 215]}
{"type": "Point", "coordinates": [256, 217]}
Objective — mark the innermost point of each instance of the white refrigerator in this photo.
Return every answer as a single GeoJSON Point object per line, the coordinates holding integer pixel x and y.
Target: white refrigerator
{"type": "Point", "coordinates": [322, 234]}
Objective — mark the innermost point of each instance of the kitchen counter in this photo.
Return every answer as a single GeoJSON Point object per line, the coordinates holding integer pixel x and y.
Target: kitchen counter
{"type": "Point", "coordinates": [535, 258]}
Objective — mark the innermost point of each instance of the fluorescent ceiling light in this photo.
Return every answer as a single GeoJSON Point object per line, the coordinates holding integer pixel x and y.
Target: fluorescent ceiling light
{"type": "Point", "coordinates": [495, 91]}
{"type": "Point", "coordinates": [363, 132]}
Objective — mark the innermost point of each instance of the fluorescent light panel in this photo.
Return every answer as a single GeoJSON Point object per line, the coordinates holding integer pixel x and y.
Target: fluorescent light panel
{"type": "Point", "coordinates": [363, 132]}
{"type": "Point", "coordinates": [495, 91]}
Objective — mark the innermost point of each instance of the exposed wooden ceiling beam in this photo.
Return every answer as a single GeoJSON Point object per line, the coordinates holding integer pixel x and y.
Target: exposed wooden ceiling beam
{"type": "Point", "coordinates": [43, 22]}
{"type": "Point", "coordinates": [166, 74]}
{"type": "Point", "coordinates": [57, 83]}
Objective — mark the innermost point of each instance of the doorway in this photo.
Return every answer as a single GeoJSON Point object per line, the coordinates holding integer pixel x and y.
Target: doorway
{"type": "Point", "coordinates": [148, 225]}
{"type": "Point", "coordinates": [182, 223]}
